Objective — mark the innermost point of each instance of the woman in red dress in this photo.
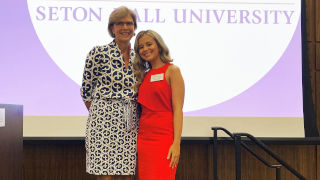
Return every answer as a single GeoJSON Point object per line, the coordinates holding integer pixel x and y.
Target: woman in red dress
{"type": "Point", "coordinates": [161, 95]}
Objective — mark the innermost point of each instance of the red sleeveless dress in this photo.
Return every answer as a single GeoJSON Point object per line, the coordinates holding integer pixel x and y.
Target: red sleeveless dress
{"type": "Point", "coordinates": [155, 134]}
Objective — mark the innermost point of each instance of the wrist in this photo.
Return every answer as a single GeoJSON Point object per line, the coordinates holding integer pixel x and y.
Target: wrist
{"type": "Point", "coordinates": [176, 142]}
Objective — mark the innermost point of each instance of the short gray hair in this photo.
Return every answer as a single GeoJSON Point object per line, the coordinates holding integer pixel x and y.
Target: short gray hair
{"type": "Point", "coordinates": [119, 13]}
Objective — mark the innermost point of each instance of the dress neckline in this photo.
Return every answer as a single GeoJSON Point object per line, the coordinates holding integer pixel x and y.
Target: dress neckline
{"type": "Point", "coordinates": [131, 55]}
{"type": "Point", "coordinates": [160, 68]}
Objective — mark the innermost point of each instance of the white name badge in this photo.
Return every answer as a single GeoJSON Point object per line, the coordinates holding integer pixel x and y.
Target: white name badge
{"type": "Point", "coordinates": [157, 77]}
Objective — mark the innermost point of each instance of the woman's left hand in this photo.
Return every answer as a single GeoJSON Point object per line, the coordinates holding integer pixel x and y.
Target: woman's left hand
{"type": "Point", "coordinates": [174, 154]}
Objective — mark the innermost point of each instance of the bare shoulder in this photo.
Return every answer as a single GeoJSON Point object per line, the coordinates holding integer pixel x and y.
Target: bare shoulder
{"type": "Point", "coordinates": [174, 74]}
{"type": "Point", "coordinates": [174, 70]}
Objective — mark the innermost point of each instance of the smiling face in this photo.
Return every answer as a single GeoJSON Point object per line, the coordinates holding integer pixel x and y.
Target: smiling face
{"type": "Point", "coordinates": [148, 49]}
{"type": "Point", "coordinates": [123, 29]}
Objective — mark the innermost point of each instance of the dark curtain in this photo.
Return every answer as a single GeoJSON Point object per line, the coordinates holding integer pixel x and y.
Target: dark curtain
{"type": "Point", "coordinates": [310, 120]}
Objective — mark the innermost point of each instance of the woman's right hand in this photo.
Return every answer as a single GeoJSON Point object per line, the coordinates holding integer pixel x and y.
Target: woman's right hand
{"type": "Point", "coordinates": [174, 154]}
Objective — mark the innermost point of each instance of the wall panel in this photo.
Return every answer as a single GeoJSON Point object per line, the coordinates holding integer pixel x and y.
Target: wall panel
{"type": "Point", "coordinates": [317, 19]}
{"type": "Point", "coordinates": [193, 162]}
{"type": "Point", "coordinates": [67, 162]}
{"type": "Point", "coordinates": [318, 162]}
{"type": "Point", "coordinates": [54, 162]}
{"type": "Point", "coordinates": [311, 58]}
{"type": "Point", "coordinates": [318, 99]}
{"type": "Point", "coordinates": [310, 19]}
{"type": "Point", "coordinates": [317, 56]}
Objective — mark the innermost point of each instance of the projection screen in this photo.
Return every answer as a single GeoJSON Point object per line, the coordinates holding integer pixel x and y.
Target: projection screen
{"type": "Point", "coordinates": [240, 59]}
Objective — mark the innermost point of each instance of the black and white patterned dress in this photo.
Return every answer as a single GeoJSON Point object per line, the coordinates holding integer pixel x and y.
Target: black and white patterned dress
{"type": "Point", "coordinates": [111, 132]}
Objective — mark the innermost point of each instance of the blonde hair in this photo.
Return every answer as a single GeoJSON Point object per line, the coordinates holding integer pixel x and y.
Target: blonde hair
{"type": "Point", "coordinates": [140, 65]}
{"type": "Point", "coordinates": [119, 13]}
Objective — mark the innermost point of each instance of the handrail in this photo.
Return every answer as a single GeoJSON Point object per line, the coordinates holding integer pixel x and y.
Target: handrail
{"type": "Point", "coordinates": [245, 146]}
{"type": "Point", "coordinates": [257, 156]}
{"type": "Point", "coordinates": [237, 146]}
{"type": "Point", "coordinates": [267, 150]}
{"type": "Point", "coordinates": [257, 142]}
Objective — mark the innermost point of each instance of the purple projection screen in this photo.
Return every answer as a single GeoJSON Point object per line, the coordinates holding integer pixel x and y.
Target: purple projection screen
{"type": "Point", "coordinates": [241, 60]}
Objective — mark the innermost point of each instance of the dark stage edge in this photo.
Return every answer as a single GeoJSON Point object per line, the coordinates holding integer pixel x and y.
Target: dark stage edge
{"type": "Point", "coordinates": [185, 140]}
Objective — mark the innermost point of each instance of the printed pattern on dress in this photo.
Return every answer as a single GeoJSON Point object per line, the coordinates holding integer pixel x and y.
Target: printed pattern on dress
{"type": "Point", "coordinates": [111, 149]}
{"type": "Point", "coordinates": [110, 140]}
{"type": "Point", "coordinates": [105, 76]}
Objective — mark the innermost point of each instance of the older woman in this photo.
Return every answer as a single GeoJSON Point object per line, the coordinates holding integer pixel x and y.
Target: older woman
{"type": "Point", "coordinates": [108, 93]}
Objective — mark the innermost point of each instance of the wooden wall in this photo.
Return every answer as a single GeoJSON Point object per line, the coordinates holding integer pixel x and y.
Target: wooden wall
{"type": "Point", "coordinates": [51, 161]}
{"type": "Point", "coordinates": [313, 38]}
{"type": "Point", "coordinates": [66, 161]}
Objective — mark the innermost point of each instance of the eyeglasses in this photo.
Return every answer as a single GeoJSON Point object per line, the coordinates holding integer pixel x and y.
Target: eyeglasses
{"type": "Point", "coordinates": [120, 23]}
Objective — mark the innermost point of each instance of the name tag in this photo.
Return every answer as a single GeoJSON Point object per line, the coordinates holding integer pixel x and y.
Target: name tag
{"type": "Point", "coordinates": [157, 77]}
